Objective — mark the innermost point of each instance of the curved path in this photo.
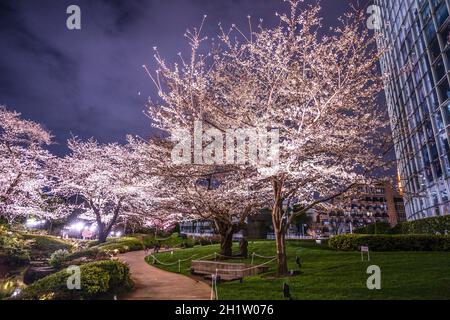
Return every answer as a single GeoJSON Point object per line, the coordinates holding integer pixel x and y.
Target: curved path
{"type": "Point", "coordinates": [155, 284]}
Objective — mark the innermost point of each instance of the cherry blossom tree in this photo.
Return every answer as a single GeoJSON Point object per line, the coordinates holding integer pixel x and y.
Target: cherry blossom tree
{"type": "Point", "coordinates": [107, 178]}
{"type": "Point", "coordinates": [317, 87]}
{"type": "Point", "coordinates": [216, 193]}
{"type": "Point", "coordinates": [25, 168]}
{"type": "Point", "coordinates": [226, 200]}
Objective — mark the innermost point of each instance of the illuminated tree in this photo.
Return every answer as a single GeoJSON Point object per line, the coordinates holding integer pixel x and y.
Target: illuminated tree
{"type": "Point", "coordinates": [220, 194]}
{"type": "Point", "coordinates": [318, 88]}
{"type": "Point", "coordinates": [25, 167]}
{"type": "Point", "coordinates": [106, 177]}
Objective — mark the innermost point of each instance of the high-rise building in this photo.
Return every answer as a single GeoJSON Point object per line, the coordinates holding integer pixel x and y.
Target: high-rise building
{"type": "Point", "coordinates": [371, 204]}
{"type": "Point", "coordinates": [415, 35]}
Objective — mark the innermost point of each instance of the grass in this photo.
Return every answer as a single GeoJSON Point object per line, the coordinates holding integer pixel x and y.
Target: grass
{"type": "Point", "coordinates": [139, 242]}
{"type": "Point", "coordinates": [46, 245]}
{"type": "Point", "coordinates": [332, 275]}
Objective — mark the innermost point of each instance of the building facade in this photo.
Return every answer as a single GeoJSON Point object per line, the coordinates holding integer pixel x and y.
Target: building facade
{"type": "Point", "coordinates": [381, 203]}
{"type": "Point", "coordinates": [415, 38]}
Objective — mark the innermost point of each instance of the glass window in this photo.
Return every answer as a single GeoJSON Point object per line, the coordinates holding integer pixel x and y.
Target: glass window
{"type": "Point", "coordinates": [441, 14]}
{"type": "Point", "coordinates": [439, 121]}
{"type": "Point", "coordinates": [444, 142]}
{"type": "Point", "coordinates": [440, 69]}
{"type": "Point", "coordinates": [430, 31]}
{"type": "Point", "coordinates": [426, 12]}
{"type": "Point", "coordinates": [444, 90]}
{"type": "Point", "coordinates": [434, 49]}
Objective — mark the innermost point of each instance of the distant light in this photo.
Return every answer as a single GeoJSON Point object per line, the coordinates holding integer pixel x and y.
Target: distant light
{"type": "Point", "coordinates": [77, 226]}
{"type": "Point", "coordinates": [93, 227]}
{"type": "Point", "coordinates": [118, 234]}
{"type": "Point", "coordinates": [33, 223]}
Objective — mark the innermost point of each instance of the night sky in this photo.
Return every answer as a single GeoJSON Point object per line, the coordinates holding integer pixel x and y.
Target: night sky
{"type": "Point", "coordinates": [87, 82]}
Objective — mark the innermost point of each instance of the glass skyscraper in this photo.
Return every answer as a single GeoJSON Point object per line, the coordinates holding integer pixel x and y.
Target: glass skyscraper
{"type": "Point", "coordinates": [416, 66]}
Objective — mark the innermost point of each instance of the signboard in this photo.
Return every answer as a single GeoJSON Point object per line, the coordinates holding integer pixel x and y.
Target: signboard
{"type": "Point", "coordinates": [365, 249]}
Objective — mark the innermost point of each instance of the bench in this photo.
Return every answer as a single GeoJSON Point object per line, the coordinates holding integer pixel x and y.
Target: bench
{"type": "Point", "coordinates": [226, 271]}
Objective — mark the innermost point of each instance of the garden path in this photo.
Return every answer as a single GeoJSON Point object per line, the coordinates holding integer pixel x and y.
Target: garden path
{"type": "Point", "coordinates": [155, 284]}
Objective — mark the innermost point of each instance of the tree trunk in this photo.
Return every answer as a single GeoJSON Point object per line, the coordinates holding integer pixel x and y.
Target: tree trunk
{"type": "Point", "coordinates": [102, 233]}
{"type": "Point", "coordinates": [279, 228]}
{"type": "Point", "coordinates": [225, 230]}
{"type": "Point", "coordinates": [281, 253]}
{"type": "Point", "coordinates": [280, 240]}
{"type": "Point", "coordinates": [226, 244]}
{"type": "Point", "coordinates": [105, 229]}
{"type": "Point", "coordinates": [102, 237]}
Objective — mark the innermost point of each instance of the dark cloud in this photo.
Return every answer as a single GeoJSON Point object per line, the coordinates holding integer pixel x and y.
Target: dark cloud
{"type": "Point", "coordinates": [86, 82]}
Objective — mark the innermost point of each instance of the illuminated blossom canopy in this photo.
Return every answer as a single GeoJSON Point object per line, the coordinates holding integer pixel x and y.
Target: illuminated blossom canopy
{"type": "Point", "coordinates": [108, 180]}
{"type": "Point", "coordinates": [317, 87]}
{"type": "Point", "coordinates": [24, 168]}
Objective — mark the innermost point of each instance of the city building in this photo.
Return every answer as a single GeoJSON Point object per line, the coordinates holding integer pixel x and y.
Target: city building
{"type": "Point", "coordinates": [258, 227]}
{"type": "Point", "coordinates": [381, 203]}
{"type": "Point", "coordinates": [415, 44]}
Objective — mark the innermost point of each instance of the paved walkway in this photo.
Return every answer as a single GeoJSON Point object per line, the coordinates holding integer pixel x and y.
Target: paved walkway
{"type": "Point", "coordinates": [155, 284]}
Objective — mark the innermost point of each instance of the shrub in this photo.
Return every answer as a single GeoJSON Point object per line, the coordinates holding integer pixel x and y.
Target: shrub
{"type": "Point", "coordinates": [148, 240]}
{"type": "Point", "coordinates": [425, 226]}
{"type": "Point", "coordinates": [122, 245]}
{"type": "Point", "coordinates": [46, 245]}
{"type": "Point", "coordinates": [176, 241]}
{"type": "Point", "coordinates": [353, 242]}
{"type": "Point", "coordinates": [97, 280]}
{"type": "Point", "coordinates": [9, 286]}
{"type": "Point", "coordinates": [58, 257]}
{"type": "Point", "coordinates": [90, 253]}
{"type": "Point", "coordinates": [375, 228]}
{"type": "Point", "coordinates": [204, 241]}
{"type": "Point", "coordinates": [93, 243]}
{"type": "Point", "coordinates": [13, 249]}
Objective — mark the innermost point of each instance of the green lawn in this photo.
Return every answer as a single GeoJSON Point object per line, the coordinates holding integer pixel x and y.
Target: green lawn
{"type": "Point", "coordinates": [333, 275]}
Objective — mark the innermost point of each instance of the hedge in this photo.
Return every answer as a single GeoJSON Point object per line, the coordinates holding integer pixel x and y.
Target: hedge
{"type": "Point", "coordinates": [375, 228]}
{"type": "Point", "coordinates": [13, 249]}
{"type": "Point", "coordinates": [353, 242]}
{"type": "Point", "coordinates": [48, 244]}
{"type": "Point", "coordinates": [98, 279]}
{"type": "Point", "coordinates": [122, 245]}
{"type": "Point", "coordinates": [85, 253]}
{"type": "Point", "coordinates": [425, 226]}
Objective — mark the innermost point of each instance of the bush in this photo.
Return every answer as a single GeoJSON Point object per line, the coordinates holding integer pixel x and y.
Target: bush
{"type": "Point", "coordinates": [8, 286]}
{"type": "Point", "coordinates": [13, 249]}
{"type": "Point", "coordinates": [353, 242]}
{"type": "Point", "coordinates": [90, 253]}
{"type": "Point", "coordinates": [425, 226]}
{"type": "Point", "coordinates": [46, 245]}
{"type": "Point", "coordinates": [122, 245]}
{"type": "Point", "coordinates": [147, 240]}
{"type": "Point", "coordinates": [375, 228]}
{"type": "Point", "coordinates": [176, 241]}
{"type": "Point", "coordinates": [97, 280]}
{"type": "Point", "coordinates": [58, 257]}
{"type": "Point", "coordinates": [203, 241]}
